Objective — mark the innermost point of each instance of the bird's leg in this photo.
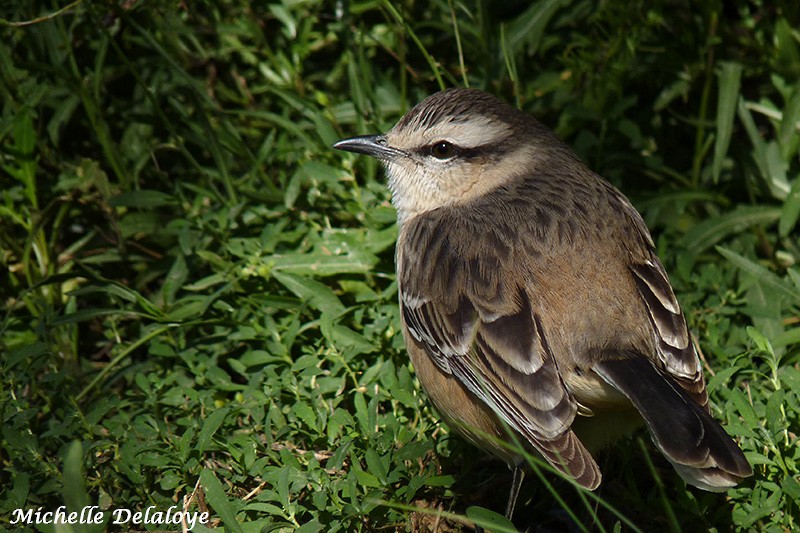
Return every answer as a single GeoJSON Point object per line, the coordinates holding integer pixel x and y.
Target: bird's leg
{"type": "Point", "coordinates": [516, 484]}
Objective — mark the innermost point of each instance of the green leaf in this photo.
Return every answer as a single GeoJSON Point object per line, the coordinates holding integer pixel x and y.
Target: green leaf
{"type": "Point", "coordinates": [762, 343]}
{"type": "Point", "coordinates": [305, 413]}
{"type": "Point", "coordinates": [763, 305]}
{"type": "Point", "coordinates": [25, 152]}
{"type": "Point", "coordinates": [774, 413]}
{"type": "Point", "coordinates": [347, 339]}
{"type": "Point", "coordinates": [721, 377]}
{"type": "Point", "coordinates": [367, 479]}
{"type": "Point", "coordinates": [118, 290]}
{"type": "Point", "coordinates": [790, 378]}
{"type": "Point", "coordinates": [786, 42]}
{"type": "Point", "coordinates": [317, 295]}
{"type": "Point", "coordinates": [745, 409]}
{"type": "Point", "coordinates": [790, 211]}
{"type": "Point", "coordinates": [490, 520]}
{"type": "Point", "coordinates": [216, 497]}
{"type": "Point", "coordinates": [188, 308]}
{"type": "Point", "coordinates": [440, 481]}
{"type": "Point", "coordinates": [777, 170]}
{"type": "Point", "coordinates": [313, 526]}
{"type": "Point", "coordinates": [362, 414]}
{"type": "Point", "coordinates": [82, 316]}
{"type": "Point", "coordinates": [791, 487]}
{"type": "Point", "coordinates": [761, 274]}
{"type": "Point", "coordinates": [177, 276]}
{"type": "Point", "coordinates": [377, 464]}
{"type": "Point", "coordinates": [318, 171]}
{"type": "Point", "coordinates": [767, 155]}
{"type": "Point", "coordinates": [787, 338]}
{"type": "Point", "coordinates": [145, 198]}
{"type": "Point", "coordinates": [715, 229]}
{"type": "Point", "coordinates": [210, 426]}
{"type": "Point", "coordinates": [354, 261]}
{"type": "Point", "coordinates": [24, 353]}
{"type": "Point", "coordinates": [528, 27]}
{"type": "Point", "coordinates": [75, 496]}
{"type": "Point", "coordinates": [730, 75]}
{"type": "Point", "coordinates": [282, 487]}
{"type": "Point", "coordinates": [788, 136]}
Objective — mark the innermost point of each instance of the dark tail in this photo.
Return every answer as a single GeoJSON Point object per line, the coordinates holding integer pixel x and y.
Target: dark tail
{"type": "Point", "coordinates": [700, 450]}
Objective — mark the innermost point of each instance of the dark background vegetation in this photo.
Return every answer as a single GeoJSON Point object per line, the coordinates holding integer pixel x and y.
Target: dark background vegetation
{"type": "Point", "coordinates": [198, 295]}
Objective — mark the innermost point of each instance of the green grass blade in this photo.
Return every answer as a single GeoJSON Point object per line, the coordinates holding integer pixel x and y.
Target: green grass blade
{"type": "Point", "coordinates": [730, 76]}
{"type": "Point", "coordinates": [761, 274]}
{"type": "Point", "coordinates": [715, 229]}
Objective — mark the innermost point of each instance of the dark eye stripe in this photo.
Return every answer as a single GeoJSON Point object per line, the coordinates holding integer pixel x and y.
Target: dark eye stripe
{"type": "Point", "coordinates": [459, 152]}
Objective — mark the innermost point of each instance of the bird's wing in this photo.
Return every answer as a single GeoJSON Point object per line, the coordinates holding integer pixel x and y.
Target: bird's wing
{"type": "Point", "coordinates": [669, 390]}
{"type": "Point", "coordinates": [675, 350]}
{"type": "Point", "coordinates": [479, 326]}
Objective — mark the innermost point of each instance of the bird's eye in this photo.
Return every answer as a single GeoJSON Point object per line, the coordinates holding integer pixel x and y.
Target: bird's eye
{"type": "Point", "coordinates": [443, 150]}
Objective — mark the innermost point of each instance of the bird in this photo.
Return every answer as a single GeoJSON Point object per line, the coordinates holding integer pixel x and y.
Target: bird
{"type": "Point", "coordinates": [534, 307]}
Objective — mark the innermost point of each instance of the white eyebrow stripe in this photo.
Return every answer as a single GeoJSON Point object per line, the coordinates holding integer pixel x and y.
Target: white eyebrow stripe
{"type": "Point", "coordinates": [466, 135]}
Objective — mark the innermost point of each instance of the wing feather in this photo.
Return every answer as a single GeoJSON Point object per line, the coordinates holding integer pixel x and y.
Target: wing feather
{"type": "Point", "coordinates": [479, 326]}
{"type": "Point", "coordinates": [676, 351]}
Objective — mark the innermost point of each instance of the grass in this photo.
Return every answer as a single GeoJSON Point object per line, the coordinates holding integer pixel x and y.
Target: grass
{"type": "Point", "coordinates": [198, 298]}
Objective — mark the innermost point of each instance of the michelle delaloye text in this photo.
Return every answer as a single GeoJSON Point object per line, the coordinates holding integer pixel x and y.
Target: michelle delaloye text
{"type": "Point", "coordinates": [92, 514]}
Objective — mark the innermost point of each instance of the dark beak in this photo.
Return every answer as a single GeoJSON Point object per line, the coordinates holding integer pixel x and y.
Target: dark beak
{"type": "Point", "coordinates": [374, 145]}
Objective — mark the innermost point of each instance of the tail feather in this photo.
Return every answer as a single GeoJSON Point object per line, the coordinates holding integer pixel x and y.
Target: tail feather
{"type": "Point", "coordinates": [698, 447]}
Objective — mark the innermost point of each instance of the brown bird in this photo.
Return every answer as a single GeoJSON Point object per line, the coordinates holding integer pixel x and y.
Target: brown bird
{"type": "Point", "coordinates": [534, 307]}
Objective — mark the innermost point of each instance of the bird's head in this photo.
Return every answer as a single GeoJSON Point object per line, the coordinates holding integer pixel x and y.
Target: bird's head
{"type": "Point", "coordinates": [453, 147]}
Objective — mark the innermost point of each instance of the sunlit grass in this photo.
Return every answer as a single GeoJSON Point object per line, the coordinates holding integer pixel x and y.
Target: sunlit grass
{"type": "Point", "coordinates": [201, 294]}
